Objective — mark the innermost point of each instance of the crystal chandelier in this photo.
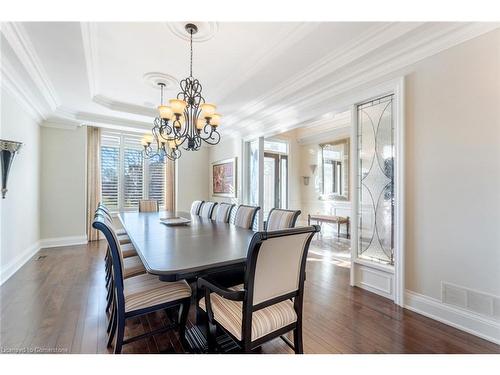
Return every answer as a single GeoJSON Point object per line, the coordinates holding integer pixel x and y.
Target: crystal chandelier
{"type": "Point", "coordinates": [186, 122]}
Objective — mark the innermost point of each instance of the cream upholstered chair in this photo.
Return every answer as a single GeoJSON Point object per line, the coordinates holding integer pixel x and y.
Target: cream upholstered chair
{"type": "Point", "coordinates": [195, 207]}
{"type": "Point", "coordinates": [141, 294]}
{"type": "Point", "coordinates": [207, 209]}
{"type": "Point", "coordinates": [222, 213]}
{"type": "Point", "coordinates": [269, 302]}
{"type": "Point", "coordinates": [245, 216]}
{"type": "Point", "coordinates": [281, 219]}
{"type": "Point", "coordinates": [148, 205]}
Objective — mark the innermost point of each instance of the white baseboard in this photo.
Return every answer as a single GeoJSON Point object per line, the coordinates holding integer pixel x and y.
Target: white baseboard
{"type": "Point", "coordinates": [13, 266]}
{"type": "Point", "coordinates": [475, 324]}
{"type": "Point", "coordinates": [63, 241]}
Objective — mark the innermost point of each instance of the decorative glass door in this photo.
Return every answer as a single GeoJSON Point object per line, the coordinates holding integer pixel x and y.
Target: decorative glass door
{"type": "Point", "coordinates": [376, 181]}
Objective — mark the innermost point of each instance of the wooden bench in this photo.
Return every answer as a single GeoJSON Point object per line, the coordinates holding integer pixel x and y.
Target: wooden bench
{"type": "Point", "coordinates": [331, 219]}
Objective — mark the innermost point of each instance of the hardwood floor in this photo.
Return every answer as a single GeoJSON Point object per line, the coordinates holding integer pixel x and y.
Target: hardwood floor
{"type": "Point", "coordinates": [56, 304]}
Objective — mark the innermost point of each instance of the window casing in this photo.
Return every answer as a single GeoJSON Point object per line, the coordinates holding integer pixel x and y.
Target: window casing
{"type": "Point", "coordinates": [126, 177]}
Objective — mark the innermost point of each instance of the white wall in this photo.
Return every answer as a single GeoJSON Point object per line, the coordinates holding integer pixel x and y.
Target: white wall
{"type": "Point", "coordinates": [63, 185]}
{"type": "Point", "coordinates": [191, 178]}
{"type": "Point", "coordinates": [20, 210]}
{"type": "Point", "coordinates": [227, 149]}
{"type": "Point", "coordinates": [453, 169]}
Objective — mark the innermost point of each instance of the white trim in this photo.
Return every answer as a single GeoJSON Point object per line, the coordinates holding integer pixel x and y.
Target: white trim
{"type": "Point", "coordinates": [90, 52]}
{"type": "Point", "coordinates": [474, 324]}
{"type": "Point", "coordinates": [63, 241]}
{"type": "Point", "coordinates": [281, 44]}
{"type": "Point", "coordinates": [427, 40]}
{"type": "Point", "coordinates": [396, 87]}
{"type": "Point", "coordinates": [18, 39]}
{"type": "Point", "coordinates": [11, 83]}
{"type": "Point", "coordinates": [14, 265]}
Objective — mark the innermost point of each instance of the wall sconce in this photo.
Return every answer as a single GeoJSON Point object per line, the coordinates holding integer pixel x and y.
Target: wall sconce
{"type": "Point", "coordinates": [313, 168]}
{"type": "Point", "coordinates": [8, 150]}
{"type": "Point", "coordinates": [306, 180]}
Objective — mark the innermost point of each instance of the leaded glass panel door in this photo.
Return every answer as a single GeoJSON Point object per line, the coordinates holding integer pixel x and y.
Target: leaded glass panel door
{"type": "Point", "coordinates": [376, 181]}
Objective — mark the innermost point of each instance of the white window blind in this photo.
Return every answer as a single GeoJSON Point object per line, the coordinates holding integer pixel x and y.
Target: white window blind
{"type": "Point", "coordinates": [110, 169]}
{"type": "Point", "coordinates": [126, 176]}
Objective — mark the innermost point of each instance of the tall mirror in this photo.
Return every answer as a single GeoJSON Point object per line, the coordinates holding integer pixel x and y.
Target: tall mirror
{"type": "Point", "coordinates": [335, 173]}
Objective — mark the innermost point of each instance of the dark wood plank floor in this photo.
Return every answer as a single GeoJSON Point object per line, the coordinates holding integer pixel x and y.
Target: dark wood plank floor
{"type": "Point", "coordinates": [56, 304]}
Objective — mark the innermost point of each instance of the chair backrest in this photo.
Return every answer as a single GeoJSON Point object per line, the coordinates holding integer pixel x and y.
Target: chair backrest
{"type": "Point", "coordinates": [276, 263]}
{"type": "Point", "coordinates": [223, 212]}
{"type": "Point", "coordinates": [245, 216]}
{"type": "Point", "coordinates": [148, 205]}
{"type": "Point", "coordinates": [195, 207]}
{"type": "Point", "coordinates": [103, 224]}
{"type": "Point", "coordinates": [281, 219]}
{"type": "Point", "coordinates": [102, 208]}
{"type": "Point", "coordinates": [207, 209]}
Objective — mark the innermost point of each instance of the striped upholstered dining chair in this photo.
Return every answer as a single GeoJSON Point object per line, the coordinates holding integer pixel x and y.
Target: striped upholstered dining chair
{"type": "Point", "coordinates": [281, 219]}
{"type": "Point", "coordinates": [195, 207]}
{"type": "Point", "coordinates": [139, 295]}
{"type": "Point", "coordinates": [269, 302]}
{"type": "Point", "coordinates": [148, 205]}
{"type": "Point", "coordinates": [245, 216]}
{"type": "Point", "coordinates": [222, 212]}
{"type": "Point", "coordinates": [207, 208]}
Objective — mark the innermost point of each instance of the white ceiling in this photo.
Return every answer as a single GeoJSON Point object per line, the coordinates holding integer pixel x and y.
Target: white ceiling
{"type": "Point", "coordinates": [264, 77]}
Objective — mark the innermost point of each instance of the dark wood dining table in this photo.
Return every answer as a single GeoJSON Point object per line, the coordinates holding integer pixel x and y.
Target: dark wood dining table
{"type": "Point", "coordinates": [199, 249]}
{"type": "Point", "coordinates": [185, 251]}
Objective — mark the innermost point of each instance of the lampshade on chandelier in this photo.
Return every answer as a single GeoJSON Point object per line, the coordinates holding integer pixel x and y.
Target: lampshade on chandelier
{"type": "Point", "coordinates": [186, 122]}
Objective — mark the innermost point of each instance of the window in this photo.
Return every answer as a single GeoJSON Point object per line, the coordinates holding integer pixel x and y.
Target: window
{"type": "Point", "coordinates": [334, 169]}
{"type": "Point", "coordinates": [125, 176]}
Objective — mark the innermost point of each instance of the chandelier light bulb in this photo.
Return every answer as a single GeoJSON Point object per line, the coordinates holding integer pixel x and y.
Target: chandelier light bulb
{"type": "Point", "coordinates": [178, 106]}
{"type": "Point", "coordinates": [215, 119]}
{"type": "Point", "coordinates": [165, 112]}
{"type": "Point", "coordinates": [208, 109]}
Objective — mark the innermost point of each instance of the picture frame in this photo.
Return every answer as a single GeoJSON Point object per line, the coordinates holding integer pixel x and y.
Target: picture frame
{"type": "Point", "coordinates": [224, 178]}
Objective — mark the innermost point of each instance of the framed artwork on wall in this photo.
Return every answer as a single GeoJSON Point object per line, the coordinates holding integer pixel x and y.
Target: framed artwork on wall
{"type": "Point", "coordinates": [224, 174]}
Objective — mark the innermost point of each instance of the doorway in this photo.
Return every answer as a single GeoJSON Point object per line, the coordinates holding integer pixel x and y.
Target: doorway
{"type": "Point", "coordinates": [275, 181]}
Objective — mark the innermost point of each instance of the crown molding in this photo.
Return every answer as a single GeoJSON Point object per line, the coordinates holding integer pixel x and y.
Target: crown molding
{"type": "Point", "coordinates": [371, 40]}
{"type": "Point", "coordinates": [110, 121]}
{"type": "Point", "coordinates": [319, 97]}
{"type": "Point", "coordinates": [124, 107]}
{"type": "Point", "coordinates": [90, 51]}
{"type": "Point", "coordinates": [18, 39]}
{"type": "Point", "coordinates": [60, 123]}
{"type": "Point", "coordinates": [281, 44]}
{"type": "Point", "coordinates": [12, 84]}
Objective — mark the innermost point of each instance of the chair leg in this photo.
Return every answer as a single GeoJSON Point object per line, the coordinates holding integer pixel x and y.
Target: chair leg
{"type": "Point", "coordinates": [183, 314]}
{"type": "Point", "coordinates": [297, 340]}
{"type": "Point", "coordinates": [113, 327]}
{"type": "Point", "coordinates": [120, 332]}
{"type": "Point", "coordinates": [211, 337]}
{"type": "Point", "coordinates": [247, 347]}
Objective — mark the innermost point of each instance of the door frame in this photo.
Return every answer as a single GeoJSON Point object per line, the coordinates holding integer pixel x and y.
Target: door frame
{"type": "Point", "coordinates": [395, 87]}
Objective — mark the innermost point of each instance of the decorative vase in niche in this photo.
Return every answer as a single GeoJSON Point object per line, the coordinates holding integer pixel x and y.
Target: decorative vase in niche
{"type": "Point", "coordinates": [8, 150]}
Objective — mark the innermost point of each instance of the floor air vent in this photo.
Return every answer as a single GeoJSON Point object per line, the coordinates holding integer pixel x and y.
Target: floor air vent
{"type": "Point", "coordinates": [471, 300]}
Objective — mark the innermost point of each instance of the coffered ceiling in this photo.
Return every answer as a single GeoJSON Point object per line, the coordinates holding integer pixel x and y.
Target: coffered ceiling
{"type": "Point", "coordinates": [264, 77]}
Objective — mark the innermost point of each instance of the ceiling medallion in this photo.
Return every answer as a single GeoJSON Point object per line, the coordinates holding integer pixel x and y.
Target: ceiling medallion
{"type": "Point", "coordinates": [187, 122]}
{"type": "Point", "coordinates": [154, 78]}
{"type": "Point", "coordinates": [205, 30]}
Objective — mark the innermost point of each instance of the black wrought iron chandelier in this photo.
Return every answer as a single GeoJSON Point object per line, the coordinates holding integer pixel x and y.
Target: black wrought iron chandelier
{"type": "Point", "coordinates": [187, 122]}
